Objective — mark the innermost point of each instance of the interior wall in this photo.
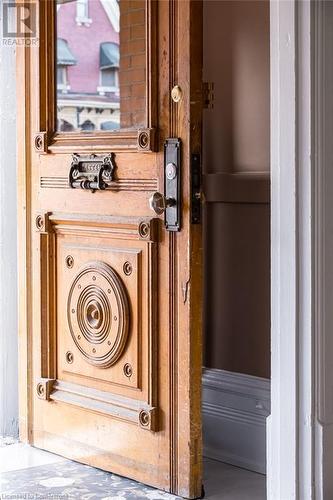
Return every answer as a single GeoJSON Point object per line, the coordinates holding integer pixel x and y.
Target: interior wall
{"type": "Point", "coordinates": [236, 167]}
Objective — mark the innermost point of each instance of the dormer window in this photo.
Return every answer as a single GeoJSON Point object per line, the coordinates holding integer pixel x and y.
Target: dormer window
{"type": "Point", "coordinates": [108, 66]}
{"type": "Point", "coordinates": [82, 13]}
{"type": "Point", "coordinates": [65, 58]}
{"type": "Point", "coordinates": [62, 80]}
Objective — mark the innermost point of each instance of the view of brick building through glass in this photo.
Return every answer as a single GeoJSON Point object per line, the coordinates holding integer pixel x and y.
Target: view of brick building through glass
{"type": "Point", "coordinates": [100, 64]}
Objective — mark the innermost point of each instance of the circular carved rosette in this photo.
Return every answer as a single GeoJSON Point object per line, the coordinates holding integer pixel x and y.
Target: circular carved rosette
{"type": "Point", "coordinates": [39, 143]}
{"type": "Point", "coordinates": [143, 140]}
{"type": "Point", "coordinates": [40, 222]}
{"type": "Point", "coordinates": [144, 229]}
{"type": "Point", "coordinates": [98, 314]}
{"type": "Point", "coordinates": [127, 268]}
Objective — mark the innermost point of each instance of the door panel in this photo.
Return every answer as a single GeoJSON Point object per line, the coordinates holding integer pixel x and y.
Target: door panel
{"type": "Point", "coordinates": [111, 300]}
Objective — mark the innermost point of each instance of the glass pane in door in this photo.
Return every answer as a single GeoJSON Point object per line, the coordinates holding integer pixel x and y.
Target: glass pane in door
{"type": "Point", "coordinates": [101, 65]}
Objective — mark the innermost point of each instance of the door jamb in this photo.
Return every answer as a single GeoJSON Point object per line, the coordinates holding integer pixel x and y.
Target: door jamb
{"type": "Point", "coordinates": [300, 437]}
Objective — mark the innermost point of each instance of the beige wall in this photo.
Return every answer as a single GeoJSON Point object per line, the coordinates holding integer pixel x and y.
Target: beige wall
{"type": "Point", "coordinates": [236, 142]}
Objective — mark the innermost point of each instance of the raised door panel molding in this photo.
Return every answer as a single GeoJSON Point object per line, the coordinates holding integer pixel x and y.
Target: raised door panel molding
{"type": "Point", "coordinates": [98, 279]}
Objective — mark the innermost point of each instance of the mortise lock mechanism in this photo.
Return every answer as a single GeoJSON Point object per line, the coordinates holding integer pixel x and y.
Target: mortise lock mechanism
{"type": "Point", "coordinates": [169, 202]}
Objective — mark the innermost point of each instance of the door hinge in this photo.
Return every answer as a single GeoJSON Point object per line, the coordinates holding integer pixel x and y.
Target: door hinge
{"type": "Point", "coordinates": [208, 95]}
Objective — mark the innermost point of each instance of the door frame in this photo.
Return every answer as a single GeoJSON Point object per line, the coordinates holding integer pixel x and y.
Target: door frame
{"type": "Point", "coordinates": [299, 430]}
{"type": "Point", "coordinates": [289, 450]}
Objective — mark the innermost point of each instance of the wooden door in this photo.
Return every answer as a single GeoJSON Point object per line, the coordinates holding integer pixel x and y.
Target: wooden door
{"type": "Point", "coordinates": [110, 298]}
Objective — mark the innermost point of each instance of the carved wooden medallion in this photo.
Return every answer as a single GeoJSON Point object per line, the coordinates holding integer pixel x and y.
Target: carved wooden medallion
{"type": "Point", "coordinates": [98, 314]}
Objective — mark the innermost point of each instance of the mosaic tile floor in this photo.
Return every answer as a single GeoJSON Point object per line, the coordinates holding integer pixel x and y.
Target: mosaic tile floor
{"type": "Point", "coordinates": [29, 473]}
{"type": "Point", "coordinates": [67, 480]}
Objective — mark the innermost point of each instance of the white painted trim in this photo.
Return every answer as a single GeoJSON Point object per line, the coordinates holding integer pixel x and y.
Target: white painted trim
{"type": "Point", "coordinates": [323, 247]}
{"type": "Point", "coordinates": [111, 8]}
{"type": "Point", "coordinates": [281, 452]}
{"type": "Point", "coordinates": [290, 454]}
{"type": "Point", "coordinates": [235, 407]}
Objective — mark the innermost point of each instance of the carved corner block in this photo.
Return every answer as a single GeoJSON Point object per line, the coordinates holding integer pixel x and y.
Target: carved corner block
{"type": "Point", "coordinates": [148, 230]}
{"type": "Point", "coordinates": [40, 142]}
{"type": "Point", "coordinates": [42, 222]}
{"type": "Point", "coordinates": [146, 139]}
{"type": "Point", "coordinates": [44, 388]}
{"type": "Point", "coordinates": [148, 419]}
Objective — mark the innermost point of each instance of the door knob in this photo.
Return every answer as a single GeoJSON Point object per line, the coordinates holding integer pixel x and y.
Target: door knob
{"type": "Point", "coordinates": [159, 203]}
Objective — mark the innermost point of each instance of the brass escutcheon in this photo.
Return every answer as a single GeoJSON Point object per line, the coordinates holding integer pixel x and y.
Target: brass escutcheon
{"type": "Point", "coordinates": [176, 93]}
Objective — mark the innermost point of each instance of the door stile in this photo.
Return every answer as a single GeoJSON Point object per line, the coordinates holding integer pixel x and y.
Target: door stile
{"type": "Point", "coordinates": [24, 128]}
{"type": "Point", "coordinates": [185, 45]}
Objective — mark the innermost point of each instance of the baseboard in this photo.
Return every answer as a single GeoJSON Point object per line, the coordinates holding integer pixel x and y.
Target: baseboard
{"type": "Point", "coordinates": [235, 407]}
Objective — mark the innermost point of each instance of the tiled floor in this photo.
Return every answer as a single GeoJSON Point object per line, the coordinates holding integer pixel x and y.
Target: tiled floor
{"type": "Point", "coordinates": [26, 472]}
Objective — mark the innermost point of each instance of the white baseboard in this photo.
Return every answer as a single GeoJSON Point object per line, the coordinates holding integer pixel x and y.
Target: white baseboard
{"type": "Point", "coordinates": [235, 407]}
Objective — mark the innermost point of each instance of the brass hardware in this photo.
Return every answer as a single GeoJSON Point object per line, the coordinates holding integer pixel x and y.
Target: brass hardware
{"type": "Point", "coordinates": [69, 261]}
{"type": "Point", "coordinates": [208, 95]}
{"type": "Point", "coordinates": [171, 171]}
{"type": "Point", "coordinates": [170, 202]}
{"type": "Point", "coordinates": [159, 203]}
{"type": "Point", "coordinates": [91, 172]}
{"type": "Point", "coordinates": [176, 93]}
{"type": "Point", "coordinates": [127, 268]}
{"type": "Point", "coordinates": [128, 370]}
